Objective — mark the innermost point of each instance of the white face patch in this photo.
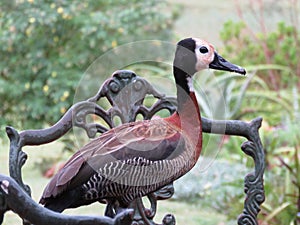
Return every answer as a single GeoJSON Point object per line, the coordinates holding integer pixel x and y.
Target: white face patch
{"type": "Point", "coordinates": [190, 84]}
{"type": "Point", "coordinates": [204, 58]}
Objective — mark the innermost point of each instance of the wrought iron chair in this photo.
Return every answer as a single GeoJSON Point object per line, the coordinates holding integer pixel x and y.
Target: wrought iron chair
{"type": "Point", "coordinates": [126, 92]}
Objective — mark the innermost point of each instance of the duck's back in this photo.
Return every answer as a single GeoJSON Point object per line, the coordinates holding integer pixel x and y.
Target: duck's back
{"type": "Point", "coordinates": [126, 162]}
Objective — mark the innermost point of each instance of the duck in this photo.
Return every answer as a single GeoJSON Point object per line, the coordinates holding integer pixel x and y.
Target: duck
{"type": "Point", "coordinates": [135, 159]}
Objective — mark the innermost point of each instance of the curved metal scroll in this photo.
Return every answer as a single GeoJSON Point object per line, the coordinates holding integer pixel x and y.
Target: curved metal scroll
{"type": "Point", "coordinates": [254, 182]}
{"type": "Point", "coordinates": [3, 206]}
{"type": "Point", "coordinates": [143, 215]}
{"type": "Point", "coordinates": [126, 92]}
{"type": "Point", "coordinates": [29, 210]}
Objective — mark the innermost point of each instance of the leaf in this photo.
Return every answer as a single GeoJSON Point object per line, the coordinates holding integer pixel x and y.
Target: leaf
{"type": "Point", "coordinates": [38, 39]}
{"type": "Point", "coordinates": [276, 212]}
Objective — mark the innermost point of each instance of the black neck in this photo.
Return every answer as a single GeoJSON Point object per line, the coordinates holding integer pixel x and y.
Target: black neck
{"type": "Point", "coordinates": [183, 89]}
{"type": "Point", "coordinates": [184, 66]}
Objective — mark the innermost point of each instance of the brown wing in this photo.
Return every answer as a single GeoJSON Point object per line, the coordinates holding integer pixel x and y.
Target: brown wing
{"type": "Point", "coordinates": [153, 140]}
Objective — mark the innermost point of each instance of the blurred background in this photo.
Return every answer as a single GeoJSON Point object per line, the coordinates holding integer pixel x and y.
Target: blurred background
{"type": "Point", "coordinates": [46, 47]}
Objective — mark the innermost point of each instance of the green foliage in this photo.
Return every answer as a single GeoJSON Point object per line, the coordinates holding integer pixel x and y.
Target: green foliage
{"type": "Point", "coordinates": [272, 64]}
{"type": "Point", "coordinates": [46, 46]}
{"type": "Point", "coordinates": [219, 187]}
{"type": "Point", "coordinates": [271, 58]}
{"type": "Point", "coordinates": [280, 47]}
{"type": "Point", "coordinates": [246, 98]}
{"type": "Point", "coordinates": [282, 182]}
{"type": "Point", "coordinates": [225, 97]}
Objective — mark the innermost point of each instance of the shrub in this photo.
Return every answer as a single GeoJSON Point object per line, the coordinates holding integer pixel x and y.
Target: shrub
{"type": "Point", "coordinates": [272, 59]}
{"type": "Point", "coordinates": [46, 46]}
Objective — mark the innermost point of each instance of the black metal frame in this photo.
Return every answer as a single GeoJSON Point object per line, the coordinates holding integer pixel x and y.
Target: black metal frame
{"type": "Point", "coordinates": [126, 93]}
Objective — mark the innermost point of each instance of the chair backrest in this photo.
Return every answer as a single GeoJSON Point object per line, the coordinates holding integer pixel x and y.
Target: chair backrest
{"type": "Point", "coordinates": [126, 93]}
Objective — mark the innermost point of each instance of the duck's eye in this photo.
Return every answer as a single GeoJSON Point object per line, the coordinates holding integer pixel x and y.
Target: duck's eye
{"type": "Point", "coordinates": [203, 49]}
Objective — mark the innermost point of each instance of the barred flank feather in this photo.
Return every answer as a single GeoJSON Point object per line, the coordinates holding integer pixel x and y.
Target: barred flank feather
{"type": "Point", "coordinates": [132, 178]}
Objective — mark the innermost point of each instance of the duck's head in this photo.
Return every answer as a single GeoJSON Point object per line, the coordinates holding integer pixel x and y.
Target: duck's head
{"type": "Point", "coordinates": [193, 55]}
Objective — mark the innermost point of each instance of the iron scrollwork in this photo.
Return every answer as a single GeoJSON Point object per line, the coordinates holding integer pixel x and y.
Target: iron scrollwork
{"type": "Point", "coordinates": [254, 187]}
{"type": "Point", "coordinates": [3, 206]}
{"type": "Point", "coordinates": [26, 208]}
{"type": "Point", "coordinates": [126, 91]}
{"type": "Point", "coordinates": [117, 89]}
{"type": "Point", "coordinates": [254, 182]}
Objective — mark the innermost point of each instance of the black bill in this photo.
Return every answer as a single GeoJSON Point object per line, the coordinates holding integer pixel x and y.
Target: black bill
{"type": "Point", "coordinates": [219, 63]}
